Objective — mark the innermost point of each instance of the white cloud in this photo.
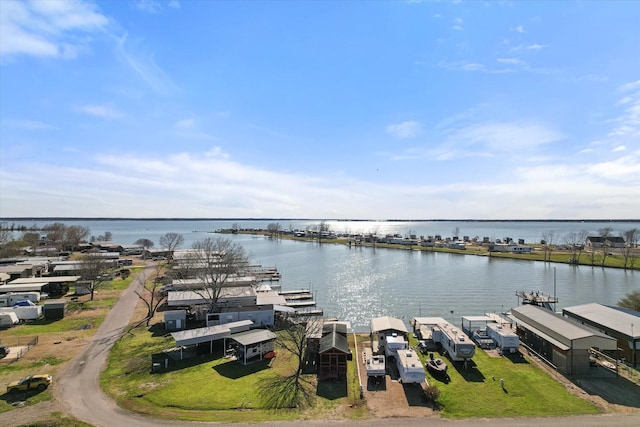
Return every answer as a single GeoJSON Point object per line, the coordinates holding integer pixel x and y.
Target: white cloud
{"type": "Point", "coordinates": [28, 124]}
{"type": "Point", "coordinates": [149, 6]}
{"type": "Point", "coordinates": [536, 46]}
{"type": "Point", "coordinates": [186, 123]}
{"type": "Point", "coordinates": [175, 4]}
{"type": "Point", "coordinates": [145, 66]}
{"type": "Point", "coordinates": [103, 111]}
{"type": "Point", "coordinates": [506, 136]}
{"type": "Point", "coordinates": [195, 185]}
{"type": "Point", "coordinates": [518, 29]}
{"type": "Point", "coordinates": [514, 61]}
{"type": "Point", "coordinates": [619, 148]}
{"type": "Point", "coordinates": [405, 129]}
{"type": "Point", "coordinates": [48, 28]}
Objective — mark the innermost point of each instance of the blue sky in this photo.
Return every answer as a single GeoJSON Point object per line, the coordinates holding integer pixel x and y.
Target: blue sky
{"type": "Point", "coordinates": [320, 109]}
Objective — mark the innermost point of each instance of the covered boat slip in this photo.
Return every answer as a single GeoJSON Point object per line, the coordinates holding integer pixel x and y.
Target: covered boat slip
{"type": "Point", "coordinates": [562, 342]}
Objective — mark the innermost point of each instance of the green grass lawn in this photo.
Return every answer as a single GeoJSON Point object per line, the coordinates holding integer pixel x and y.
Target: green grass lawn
{"type": "Point", "coordinates": [211, 387]}
{"type": "Point", "coordinates": [528, 390]}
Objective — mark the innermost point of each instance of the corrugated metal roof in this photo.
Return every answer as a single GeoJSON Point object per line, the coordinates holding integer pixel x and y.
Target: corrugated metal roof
{"type": "Point", "coordinates": [560, 326]}
{"type": "Point", "coordinates": [557, 327]}
{"type": "Point", "coordinates": [254, 336]}
{"type": "Point", "coordinates": [609, 317]}
{"type": "Point", "coordinates": [386, 323]}
{"type": "Point", "coordinates": [210, 333]}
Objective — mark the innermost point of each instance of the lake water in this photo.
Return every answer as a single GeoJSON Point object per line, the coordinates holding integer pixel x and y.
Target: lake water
{"type": "Point", "coordinates": [358, 283]}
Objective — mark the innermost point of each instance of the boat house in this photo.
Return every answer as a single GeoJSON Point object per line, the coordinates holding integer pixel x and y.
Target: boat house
{"type": "Point", "coordinates": [562, 342]}
{"type": "Point", "coordinates": [619, 323]}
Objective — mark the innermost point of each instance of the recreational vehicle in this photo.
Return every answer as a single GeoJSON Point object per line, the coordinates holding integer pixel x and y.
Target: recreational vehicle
{"type": "Point", "coordinates": [455, 342]}
{"type": "Point", "coordinates": [504, 337]}
{"type": "Point", "coordinates": [410, 367]}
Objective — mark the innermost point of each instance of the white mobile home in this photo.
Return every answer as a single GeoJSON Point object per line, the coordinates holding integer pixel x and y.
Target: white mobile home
{"type": "Point", "coordinates": [410, 367]}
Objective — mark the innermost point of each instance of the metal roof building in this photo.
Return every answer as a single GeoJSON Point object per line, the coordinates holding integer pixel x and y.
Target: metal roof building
{"type": "Point", "coordinates": [561, 341]}
{"type": "Point", "coordinates": [620, 323]}
{"type": "Point", "coordinates": [386, 323]}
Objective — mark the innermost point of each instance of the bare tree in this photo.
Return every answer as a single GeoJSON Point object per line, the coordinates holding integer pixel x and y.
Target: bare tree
{"type": "Point", "coordinates": [293, 390]}
{"type": "Point", "coordinates": [171, 241]}
{"type": "Point", "coordinates": [73, 236]}
{"type": "Point", "coordinates": [630, 250]}
{"type": "Point", "coordinates": [32, 238]}
{"type": "Point", "coordinates": [94, 271]}
{"type": "Point", "coordinates": [150, 293]}
{"type": "Point", "coordinates": [274, 229]}
{"type": "Point", "coordinates": [322, 228]}
{"type": "Point", "coordinates": [213, 261]}
{"type": "Point", "coordinates": [146, 244]}
{"type": "Point", "coordinates": [55, 233]}
{"type": "Point", "coordinates": [575, 242]}
{"type": "Point", "coordinates": [547, 244]}
{"type": "Point", "coordinates": [6, 235]}
{"type": "Point", "coordinates": [605, 233]}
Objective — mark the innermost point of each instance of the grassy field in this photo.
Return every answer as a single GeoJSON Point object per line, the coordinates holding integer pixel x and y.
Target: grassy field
{"type": "Point", "coordinates": [213, 388]}
{"type": "Point", "coordinates": [528, 390]}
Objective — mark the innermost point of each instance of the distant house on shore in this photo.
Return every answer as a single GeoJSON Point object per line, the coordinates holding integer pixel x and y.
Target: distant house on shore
{"type": "Point", "coordinates": [609, 241]}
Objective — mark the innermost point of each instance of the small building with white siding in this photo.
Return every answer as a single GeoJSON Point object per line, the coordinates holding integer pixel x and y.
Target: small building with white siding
{"type": "Point", "coordinates": [561, 341]}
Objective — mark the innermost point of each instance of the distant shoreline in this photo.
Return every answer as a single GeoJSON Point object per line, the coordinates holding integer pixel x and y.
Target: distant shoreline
{"type": "Point", "coordinates": [55, 218]}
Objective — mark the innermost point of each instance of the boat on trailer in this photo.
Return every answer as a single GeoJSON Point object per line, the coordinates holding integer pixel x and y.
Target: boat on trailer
{"type": "Point", "coordinates": [436, 366]}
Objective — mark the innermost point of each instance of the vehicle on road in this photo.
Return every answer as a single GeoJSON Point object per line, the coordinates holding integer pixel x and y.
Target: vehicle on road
{"type": "Point", "coordinates": [4, 350]}
{"type": "Point", "coordinates": [33, 382]}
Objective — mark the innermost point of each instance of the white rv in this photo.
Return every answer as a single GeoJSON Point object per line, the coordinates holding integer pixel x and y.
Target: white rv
{"type": "Point", "coordinates": [456, 343]}
{"type": "Point", "coordinates": [504, 337]}
{"type": "Point", "coordinates": [410, 367]}
{"type": "Point", "coordinates": [8, 300]}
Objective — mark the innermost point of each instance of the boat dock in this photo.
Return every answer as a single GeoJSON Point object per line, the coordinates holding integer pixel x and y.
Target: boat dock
{"type": "Point", "coordinates": [536, 298]}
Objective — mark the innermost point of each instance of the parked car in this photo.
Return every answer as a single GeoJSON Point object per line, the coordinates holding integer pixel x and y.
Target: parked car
{"type": "Point", "coordinates": [33, 382]}
{"type": "Point", "coordinates": [4, 350]}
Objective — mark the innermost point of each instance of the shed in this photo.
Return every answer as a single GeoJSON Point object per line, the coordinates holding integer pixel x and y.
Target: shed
{"type": "Point", "coordinates": [54, 309]}
{"type": "Point", "coordinates": [333, 351]}
{"type": "Point", "coordinates": [563, 342]}
{"type": "Point", "coordinates": [175, 320]}
{"type": "Point", "coordinates": [253, 344]}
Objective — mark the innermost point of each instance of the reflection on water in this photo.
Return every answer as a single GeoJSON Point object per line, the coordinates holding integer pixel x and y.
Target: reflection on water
{"type": "Point", "coordinates": [359, 283]}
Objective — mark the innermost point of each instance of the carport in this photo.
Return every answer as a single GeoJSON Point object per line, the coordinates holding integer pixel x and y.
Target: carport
{"type": "Point", "coordinates": [255, 343]}
{"type": "Point", "coordinates": [208, 334]}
